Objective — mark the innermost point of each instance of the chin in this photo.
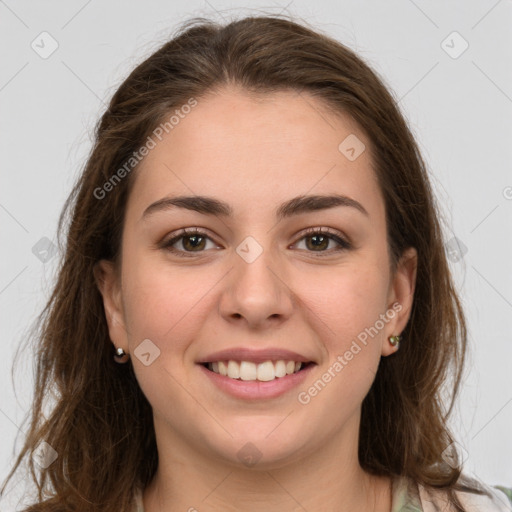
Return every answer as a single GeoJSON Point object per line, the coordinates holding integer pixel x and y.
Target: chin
{"type": "Point", "coordinates": [260, 448]}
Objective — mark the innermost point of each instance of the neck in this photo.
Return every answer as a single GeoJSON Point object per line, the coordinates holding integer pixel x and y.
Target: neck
{"type": "Point", "coordinates": [329, 478]}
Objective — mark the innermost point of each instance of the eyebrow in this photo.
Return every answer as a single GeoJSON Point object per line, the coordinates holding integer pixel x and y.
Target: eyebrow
{"type": "Point", "coordinates": [211, 206]}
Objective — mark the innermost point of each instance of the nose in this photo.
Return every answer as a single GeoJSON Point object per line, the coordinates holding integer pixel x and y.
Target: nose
{"type": "Point", "coordinates": [257, 291]}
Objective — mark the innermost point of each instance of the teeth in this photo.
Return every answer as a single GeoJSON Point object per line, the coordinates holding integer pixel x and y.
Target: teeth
{"type": "Point", "coordinates": [233, 370]}
{"type": "Point", "coordinates": [280, 368]}
{"type": "Point", "coordinates": [266, 371]}
{"type": "Point", "coordinates": [247, 370]}
{"type": "Point", "coordinates": [223, 368]}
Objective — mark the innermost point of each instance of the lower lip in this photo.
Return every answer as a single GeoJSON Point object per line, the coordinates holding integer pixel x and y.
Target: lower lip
{"type": "Point", "coordinates": [255, 389]}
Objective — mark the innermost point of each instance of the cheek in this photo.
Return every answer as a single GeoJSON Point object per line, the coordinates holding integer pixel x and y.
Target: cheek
{"type": "Point", "coordinates": [346, 299]}
{"type": "Point", "coordinates": [163, 302]}
{"type": "Point", "coordinates": [346, 306]}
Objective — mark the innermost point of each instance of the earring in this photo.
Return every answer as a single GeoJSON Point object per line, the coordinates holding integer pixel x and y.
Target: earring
{"type": "Point", "coordinates": [121, 356]}
{"type": "Point", "coordinates": [395, 341]}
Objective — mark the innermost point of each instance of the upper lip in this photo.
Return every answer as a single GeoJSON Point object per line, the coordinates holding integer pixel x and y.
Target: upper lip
{"type": "Point", "coordinates": [255, 356]}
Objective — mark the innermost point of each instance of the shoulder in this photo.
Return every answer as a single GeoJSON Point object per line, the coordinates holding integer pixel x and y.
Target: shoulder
{"type": "Point", "coordinates": [474, 495]}
{"type": "Point", "coordinates": [506, 490]}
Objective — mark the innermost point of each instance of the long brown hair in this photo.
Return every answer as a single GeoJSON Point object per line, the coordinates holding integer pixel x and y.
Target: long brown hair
{"type": "Point", "coordinates": [100, 423]}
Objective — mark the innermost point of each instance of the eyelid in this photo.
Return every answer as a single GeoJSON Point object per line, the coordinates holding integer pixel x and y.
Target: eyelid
{"type": "Point", "coordinates": [325, 231]}
{"type": "Point", "coordinates": [168, 242]}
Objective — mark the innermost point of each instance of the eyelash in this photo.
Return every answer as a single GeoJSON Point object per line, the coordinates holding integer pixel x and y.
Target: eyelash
{"type": "Point", "coordinates": [189, 232]}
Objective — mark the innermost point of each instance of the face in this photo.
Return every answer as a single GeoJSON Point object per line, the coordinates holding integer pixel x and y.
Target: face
{"type": "Point", "coordinates": [259, 278]}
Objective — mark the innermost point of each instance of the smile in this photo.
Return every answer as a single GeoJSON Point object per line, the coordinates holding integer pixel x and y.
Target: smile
{"type": "Point", "coordinates": [250, 371]}
{"type": "Point", "coordinates": [256, 381]}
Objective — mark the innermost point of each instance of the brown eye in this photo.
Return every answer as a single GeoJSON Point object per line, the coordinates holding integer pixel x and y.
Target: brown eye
{"type": "Point", "coordinates": [193, 242]}
{"type": "Point", "coordinates": [190, 241]}
{"type": "Point", "coordinates": [318, 240]}
{"type": "Point", "coordinates": [187, 241]}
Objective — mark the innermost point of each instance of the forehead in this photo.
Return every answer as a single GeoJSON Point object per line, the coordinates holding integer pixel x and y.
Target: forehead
{"type": "Point", "coordinates": [260, 150]}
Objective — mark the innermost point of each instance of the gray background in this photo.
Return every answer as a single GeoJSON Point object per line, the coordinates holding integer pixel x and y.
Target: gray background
{"type": "Point", "coordinates": [459, 106]}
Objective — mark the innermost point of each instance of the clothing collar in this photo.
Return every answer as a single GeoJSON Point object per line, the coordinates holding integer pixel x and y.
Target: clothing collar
{"type": "Point", "coordinates": [405, 497]}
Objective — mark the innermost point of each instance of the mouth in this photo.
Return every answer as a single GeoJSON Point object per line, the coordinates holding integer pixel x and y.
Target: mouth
{"type": "Point", "coordinates": [256, 381]}
{"type": "Point", "coordinates": [251, 371]}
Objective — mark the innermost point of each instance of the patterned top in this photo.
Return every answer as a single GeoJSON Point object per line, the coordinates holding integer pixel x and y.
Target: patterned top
{"type": "Point", "coordinates": [410, 497]}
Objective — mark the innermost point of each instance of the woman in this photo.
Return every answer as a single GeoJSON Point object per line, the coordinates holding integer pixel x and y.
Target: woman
{"type": "Point", "coordinates": [254, 311]}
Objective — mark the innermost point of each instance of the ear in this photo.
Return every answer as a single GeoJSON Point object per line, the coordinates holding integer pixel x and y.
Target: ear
{"type": "Point", "coordinates": [400, 297]}
{"type": "Point", "coordinates": [107, 281]}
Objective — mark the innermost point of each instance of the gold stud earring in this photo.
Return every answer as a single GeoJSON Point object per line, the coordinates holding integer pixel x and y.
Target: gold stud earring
{"type": "Point", "coordinates": [395, 341]}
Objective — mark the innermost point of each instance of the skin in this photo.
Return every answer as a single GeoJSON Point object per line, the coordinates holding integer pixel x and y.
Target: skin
{"type": "Point", "coordinates": [255, 153]}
